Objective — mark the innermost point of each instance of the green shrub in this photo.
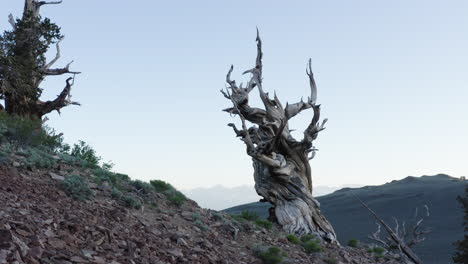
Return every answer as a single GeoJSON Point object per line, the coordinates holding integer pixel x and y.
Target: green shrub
{"type": "Point", "coordinates": [353, 243]}
{"type": "Point", "coordinates": [331, 260]}
{"type": "Point", "coordinates": [272, 255]}
{"type": "Point", "coordinates": [85, 152]}
{"type": "Point", "coordinates": [378, 250]}
{"type": "Point", "coordinates": [76, 187]}
{"type": "Point", "coordinates": [37, 157]}
{"type": "Point", "coordinates": [161, 186]}
{"type": "Point", "coordinates": [312, 246]}
{"type": "Point", "coordinates": [27, 132]}
{"type": "Point", "coordinates": [202, 226]}
{"type": "Point", "coordinates": [141, 186]}
{"type": "Point", "coordinates": [293, 239]}
{"type": "Point", "coordinates": [217, 216]}
{"type": "Point", "coordinates": [264, 223]}
{"type": "Point", "coordinates": [175, 197]}
{"type": "Point", "coordinates": [249, 215]}
{"type": "Point", "coordinates": [307, 238]}
{"type": "Point", "coordinates": [114, 179]}
{"type": "Point", "coordinates": [130, 202]}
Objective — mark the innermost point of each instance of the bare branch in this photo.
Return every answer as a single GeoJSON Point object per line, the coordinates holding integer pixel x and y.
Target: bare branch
{"type": "Point", "coordinates": [12, 21]}
{"type": "Point", "coordinates": [62, 100]}
{"type": "Point", "coordinates": [376, 237]}
{"type": "Point", "coordinates": [401, 244]}
{"type": "Point", "coordinates": [57, 56]}
{"type": "Point", "coordinates": [41, 3]}
{"type": "Point", "coordinates": [60, 71]}
{"type": "Point", "coordinates": [313, 86]}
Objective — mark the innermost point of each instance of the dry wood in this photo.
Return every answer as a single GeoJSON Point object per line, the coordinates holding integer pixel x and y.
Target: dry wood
{"type": "Point", "coordinates": [282, 171]}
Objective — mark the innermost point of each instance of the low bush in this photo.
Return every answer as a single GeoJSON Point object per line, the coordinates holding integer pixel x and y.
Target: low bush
{"type": "Point", "coordinates": [378, 250]}
{"type": "Point", "coordinates": [141, 186]}
{"type": "Point", "coordinates": [175, 197]}
{"type": "Point", "coordinates": [331, 260]}
{"type": "Point", "coordinates": [130, 202]}
{"type": "Point", "coordinates": [293, 239]}
{"type": "Point", "coordinates": [264, 223]}
{"type": "Point", "coordinates": [27, 132]}
{"type": "Point", "coordinates": [161, 186]}
{"type": "Point", "coordinates": [353, 243]}
{"type": "Point", "coordinates": [272, 255]}
{"type": "Point", "coordinates": [249, 215]}
{"type": "Point", "coordinates": [76, 187]}
{"type": "Point", "coordinates": [312, 246]}
{"type": "Point", "coordinates": [85, 152]}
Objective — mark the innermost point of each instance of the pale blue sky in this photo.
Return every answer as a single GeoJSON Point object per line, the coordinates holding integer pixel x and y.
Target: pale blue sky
{"type": "Point", "coordinates": [392, 78]}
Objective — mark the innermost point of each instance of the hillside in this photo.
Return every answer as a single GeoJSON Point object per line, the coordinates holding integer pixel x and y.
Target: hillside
{"type": "Point", "coordinates": [398, 199]}
{"type": "Point", "coordinates": [57, 209]}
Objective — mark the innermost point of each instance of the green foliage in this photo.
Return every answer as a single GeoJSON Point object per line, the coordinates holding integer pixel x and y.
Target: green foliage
{"type": "Point", "coordinates": [307, 238]}
{"type": "Point", "coordinates": [247, 215]}
{"type": "Point", "coordinates": [83, 151]}
{"type": "Point", "coordinates": [175, 197]}
{"type": "Point", "coordinates": [353, 243]}
{"type": "Point", "coordinates": [217, 216]}
{"type": "Point", "coordinates": [141, 186]}
{"type": "Point", "coordinates": [378, 250]}
{"type": "Point", "coordinates": [130, 202]}
{"type": "Point", "coordinates": [24, 131]}
{"type": "Point", "coordinates": [293, 239]}
{"type": "Point", "coordinates": [461, 255]}
{"type": "Point", "coordinates": [76, 187]}
{"type": "Point", "coordinates": [202, 226]}
{"type": "Point", "coordinates": [312, 246]}
{"type": "Point", "coordinates": [331, 260]}
{"type": "Point", "coordinates": [264, 223]}
{"type": "Point", "coordinates": [161, 186]}
{"type": "Point", "coordinates": [272, 255]}
{"type": "Point", "coordinates": [22, 52]}
{"type": "Point", "coordinates": [36, 157]}
{"type": "Point", "coordinates": [196, 216]}
{"type": "Point", "coordinates": [114, 179]}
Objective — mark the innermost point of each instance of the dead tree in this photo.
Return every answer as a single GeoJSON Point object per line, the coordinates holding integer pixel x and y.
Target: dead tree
{"type": "Point", "coordinates": [23, 64]}
{"type": "Point", "coordinates": [400, 238]}
{"type": "Point", "coordinates": [282, 171]}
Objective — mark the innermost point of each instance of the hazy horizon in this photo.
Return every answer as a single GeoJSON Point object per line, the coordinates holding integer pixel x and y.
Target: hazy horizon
{"type": "Point", "coordinates": [391, 80]}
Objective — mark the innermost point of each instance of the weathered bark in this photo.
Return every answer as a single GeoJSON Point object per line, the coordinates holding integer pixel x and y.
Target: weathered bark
{"type": "Point", "coordinates": [282, 171]}
{"type": "Point", "coordinates": [20, 81]}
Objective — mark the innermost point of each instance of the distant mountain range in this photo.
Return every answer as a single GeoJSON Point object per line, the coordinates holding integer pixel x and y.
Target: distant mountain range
{"type": "Point", "coordinates": [394, 199]}
{"type": "Point", "coordinates": [220, 197]}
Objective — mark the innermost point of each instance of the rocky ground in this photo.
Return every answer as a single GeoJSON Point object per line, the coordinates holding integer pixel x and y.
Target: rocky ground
{"type": "Point", "coordinates": [40, 223]}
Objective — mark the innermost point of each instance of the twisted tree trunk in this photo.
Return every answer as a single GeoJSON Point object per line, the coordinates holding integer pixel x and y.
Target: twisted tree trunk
{"type": "Point", "coordinates": [282, 171]}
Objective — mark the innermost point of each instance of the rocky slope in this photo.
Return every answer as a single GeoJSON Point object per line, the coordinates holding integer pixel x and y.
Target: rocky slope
{"type": "Point", "coordinates": [395, 199]}
{"type": "Point", "coordinates": [41, 223]}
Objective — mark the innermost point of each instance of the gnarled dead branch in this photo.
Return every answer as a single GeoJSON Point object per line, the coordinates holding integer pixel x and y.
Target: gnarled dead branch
{"type": "Point", "coordinates": [281, 163]}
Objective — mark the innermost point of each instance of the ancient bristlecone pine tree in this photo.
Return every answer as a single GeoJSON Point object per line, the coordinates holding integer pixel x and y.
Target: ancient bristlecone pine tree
{"type": "Point", "coordinates": [23, 64]}
{"type": "Point", "coordinates": [282, 171]}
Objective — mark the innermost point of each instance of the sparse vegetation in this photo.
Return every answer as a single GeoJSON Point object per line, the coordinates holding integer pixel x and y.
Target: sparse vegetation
{"type": "Point", "coordinates": [310, 244]}
{"type": "Point", "coordinates": [271, 255]}
{"type": "Point", "coordinates": [85, 152]}
{"type": "Point", "coordinates": [264, 223]}
{"type": "Point", "coordinates": [161, 186]}
{"type": "Point", "coordinates": [331, 260]}
{"type": "Point", "coordinates": [76, 187]}
{"type": "Point", "coordinates": [293, 239]}
{"type": "Point", "coordinates": [175, 197]}
{"type": "Point", "coordinates": [353, 243]}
